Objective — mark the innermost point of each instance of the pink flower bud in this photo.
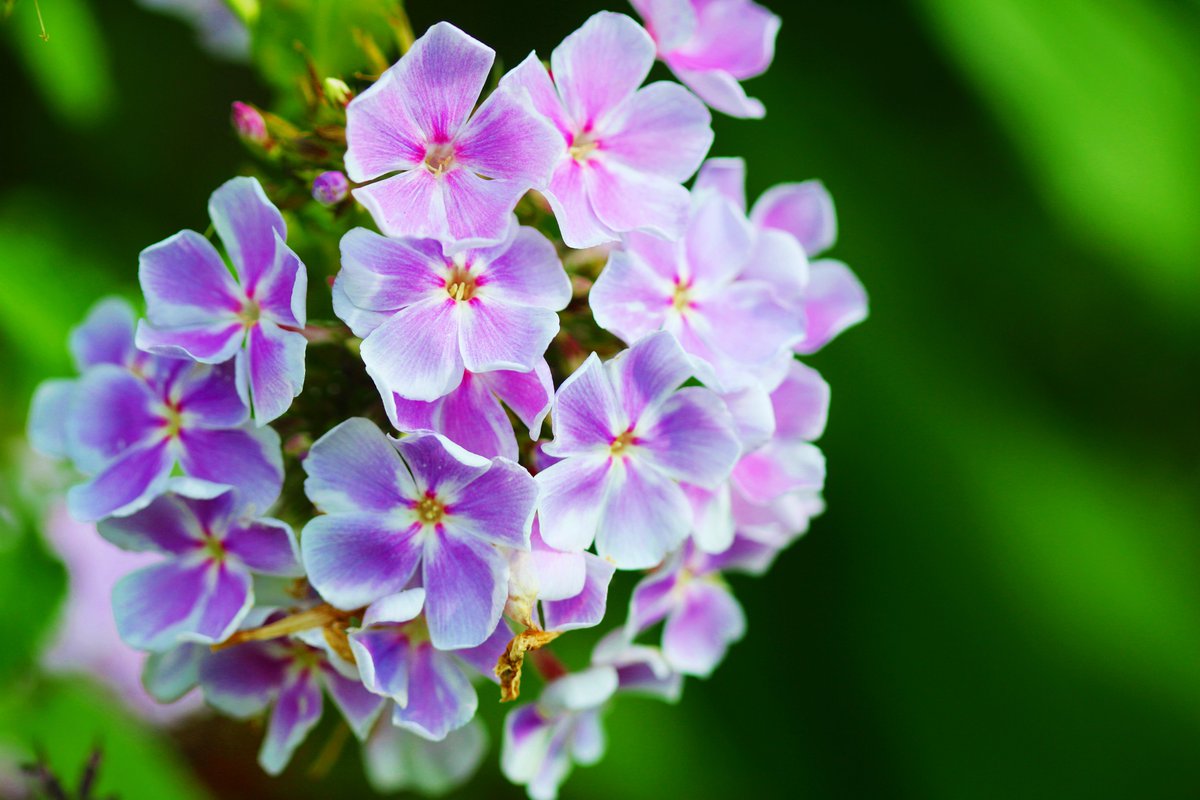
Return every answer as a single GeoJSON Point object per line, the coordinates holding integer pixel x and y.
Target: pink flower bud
{"type": "Point", "coordinates": [330, 188]}
{"type": "Point", "coordinates": [249, 123]}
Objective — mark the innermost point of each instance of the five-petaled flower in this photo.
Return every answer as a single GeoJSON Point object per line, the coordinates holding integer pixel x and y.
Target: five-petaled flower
{"type": "Point", "coordinates": [622, 151]}
{"type": "Point", "coordinates": [627, 435]}
{"type": "Point", "coordinates": [429, 316]}
{"type": "Point", "coordinates": [393, 507]}
{"type": "Point", "coordinates": [195, 308]}
{"type": "Point", "coordinates": [445, 173]}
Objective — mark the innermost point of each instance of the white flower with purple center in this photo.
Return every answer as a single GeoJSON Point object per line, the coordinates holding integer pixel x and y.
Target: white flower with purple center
{"type": "Point", "coordinates": [430, 317]}
{"type": "Point", "coordinates": [396, 659]}
{"type": "Point", "coordinates": [131, 435]}
{"type": "Point", "coordinates": [202, 590]}
{"type": "Point", "coordinates": [627, 434]}
{"type": "Point", "coordinates": [720, 290]}
{"type": "Point", "coordinates": [543, 740]}
{"type": "Point", "coordinates": [196, 309]}
{"type": "Point", "coordinates": [445, 173]}
{"type": "Point", "coordinates": [831, 297]}
{"type": "Point", "coordinates": [622, 151]}
{"type": "Point", "coordinates": [711, 45]}
{"type": "Point", "coordinates": [288, 676]}
{"type": "Point", "coordinates": [418, 505]}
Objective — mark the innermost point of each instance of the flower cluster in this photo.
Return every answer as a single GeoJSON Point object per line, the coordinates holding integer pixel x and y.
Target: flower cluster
{"type": "Point", "coordinates": [399, 529]}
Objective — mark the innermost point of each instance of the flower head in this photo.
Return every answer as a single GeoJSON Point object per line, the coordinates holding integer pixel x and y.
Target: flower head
{"type": "Point", "coordinates": [430, 317]}
{"type": "Point", "coordinates": [445, 173]}
{"type": "Point", "coordinates": [627, 435]}
{"type": "Point", "coordinates": [130, 434]}
{"type": "Point", "coordinates": [622, 152]}
{"type": "Point", "coordinates": [711, 45]}
{"type": "Point", "coordinates": [249, 123]}
{"type": "Point", "coordinates": [394, 508]}
{"type": "Point", "coordinates": [196, 309]}
{"type": "Point", "coordinates": [330, 187]}
{"type": "Point", "coordinates": [202, 590]}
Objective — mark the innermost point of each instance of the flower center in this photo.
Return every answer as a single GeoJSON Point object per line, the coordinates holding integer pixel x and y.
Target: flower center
{"type": "Point", "coordinates": [250, 312]}
{"type": "Point", "coordinates": [430, 510]}
{"type": "Point", "coordinates": [174, 420]}
{"type": "Point", "coordinates": [682, 299]}
{"type": "Point", "coordinates": [582, 147]}
{"type": "Point", "coordinates": [439, 158]}
{"type": "Point", "coordinates": [461, 285]}
{"type": "Point", "coordinates": [214, 549]}
{"type": "Point", "coordinates": [621, 444]}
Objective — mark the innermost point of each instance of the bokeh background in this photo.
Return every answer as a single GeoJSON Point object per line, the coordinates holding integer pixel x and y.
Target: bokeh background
{"type": "Point", "coordinates": [1003, 599]}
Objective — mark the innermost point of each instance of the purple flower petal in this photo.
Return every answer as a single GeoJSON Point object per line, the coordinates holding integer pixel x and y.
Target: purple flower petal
{"type": "Point", "coordinates": [247, 458]}
{"type": "Point", "coordinates": [526, 272]}
{"type": "Point", "coordinates": [528, 394]}
{"type": "Point", "coordinates": [466, 583]}
{"type": "Point", "coordinates": [208, 343]}
{"type": "Point", "coordinates": [572, 496]}
{"type": "Point", "coordinates": [400, 607]}
{"type": "Point", "coordinates": [805, 210]}
{"type": "Point", "coordinates": [224, 605]}
{"type": "Point", "coordinates": [630, 299]}
{"type": "Point", "coordinates": [778, 259]}
{"type": "Point", "coordinates": [648, 373]}
{"type": "Point", "coordinates": [470, 416]}
{"type": "Point", "coordinates": [275, 365]}
{"type": "Point", "coordinates": [661, 130]}
{"type": "Point", "coordinates": [718, 242]}
{"type": "Point", "coordinates": [496, 507]}
{"type": "Point", "coordinates": [601, 64]}
{"type": "Point", "coordinates": [439, 466]}
{"type": "Point", "coordinates": [801, 404]}
{"type": "Point", "coordinates": [127, 483]}
{"type": "Point", "coordinates": [646, 515]}
{"type": "Point", "coordinates": [49, 411]}
{"type": "Point", "coordinates": [439, 80]}
{"type": "Point", "coordinates": [296, 713]}
{"type": "Point", "coordinates": [440, 697]}
{"type": "Point", "coordinates": [478, 209]}
{"type": "Point", "coordinates": [360, 321]}
{"type": "Point", "coordinates": [355, 468]}
{"type": "Point", "coordinates": [110, 411]}
{"type": "Point", "coordinates": [779, 467]}
{"type": "Point", "coordinates": [105, 336]}
{"type": "Point", "coordinates": [753, 415]}
{"type": "Point", "coordinates": [486, 656]}
{"type": "Point", "coordinates": [697, 635]}
{"type": "Point", "coordinates": [382, 274]}
{"type": "Point", "coordinates": [186, 284]}
{"type": "Point", "coordinates": [248, 224]}
{"type": "Point", "coordinates": [712, 517]}
{"type": "Point", "coordinates": [264, 545]}
{"type": "Point", "coordinates": [383, 655]}
{"type": "Point", "coordinates": [241, 681]}
{"type": "Point", "coordinates": [381, 136]}
{"type": "Point", "coordinates": [354, 559]}
{"type": "Point", "coordinates": [586, 413]}
{"type": "Point", "coordinates": [653, 598]}
{"type": "Point", "coordinates": [691, 438]}
{"type": "Point", "coordinates": [416, 352]}
{"type": "Point", "coordinates": [408, 204]}
{"type": "Point", "coordinates": [396, 760]}
{"type": "Point", "coordinates": [209, 397]}
{"type": "Point", "coordinates": [504, 140]}
{"type": "Point", "coordinates": [359, 707]}
{"type": "Point", "coordinates": [166, 525]}
{"type": "Point", "coordinates": [721, 91]}
{"type": "Point", "coordinates": [282, 291]}
{"type": "Point", "coordinates": [726, 177]}
{"type": "Point", "coordinates": [495, 335]}
{"type": "Point", "coordinates": [736, 35]}
{"type": "Point", "coordinates": [170, 675]}
{"type": "Point", "coordinates": [160, 605]}
{"type": "Point", "coordinates": [625, 199]}
{"type": "Point", "coordinates": [568, 198]}
{"type": "Point", "coordinates": [835, 301]}
{"type": "Point", "coordinates": [585, 609]}
{"type": "Point", "coordinates": [529, 82]}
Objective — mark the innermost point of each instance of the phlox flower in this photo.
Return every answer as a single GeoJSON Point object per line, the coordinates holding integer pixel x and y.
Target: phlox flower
{"type": "Point", "coordinates": [641, 669]}
{"type": "Point", "coordinates": [555, 590]}
{"type": "Point", "coordinates": [444, 172]}
{"type": "Point", "coordinates": [130, 435]}
{"type": "Point", "coordinates": [196, 309]}
{"type": "Point", "coordinates": [711, 45]}
{"type": "Point", "coordinates": [290, 677]}
{"type": "Point", "coordinates": [542, 740]}
{"type": "Point", "coordinates": [626, 434]}
{"type": "Point", "coordinates": [420, 504]}
{"type": "Point", "coordinates": [202, 590]}
{"type": "Point", "coordinates": [831, 297]}
{"type": "Point", "coordinates": [472, 416]}
{"type": "Point", "coordinates": [719, 290]}
{"type": "Point", "coordinates": [427, 317]}
{"type": "Point", "coordinates": [702, 616]}
{"type": "Point", "coordinates": [622, 152]}
{"type": "Point", "coordinates": [396, 760]}
{"type": "Point", "coordinates": [396, 659]}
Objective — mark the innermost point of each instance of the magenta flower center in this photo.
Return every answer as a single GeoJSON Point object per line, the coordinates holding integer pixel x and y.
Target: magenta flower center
{"type": "Point", "coordinates": [439, 158]}
{"type": "Point", "coordinates": [621, 444]}
{"type": "Point", "coordinates": [681, 300]}
{"type": "Point", "coordinates": [172, 420]}
{"type": "Point", "coordinates": [250, 312]}
{"type": "Point", "coordinates": [461, 285]}
{"type": "Point", "coordinates": [582, 147]}
{"type": "Point", "coordinates": [430, 510]}
{"type": "Point", "coordinates": [214, 549]}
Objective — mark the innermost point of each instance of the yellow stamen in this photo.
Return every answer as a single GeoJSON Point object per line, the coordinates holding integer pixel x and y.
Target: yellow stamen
{"type": "Point", "coordinates": [430, 510]}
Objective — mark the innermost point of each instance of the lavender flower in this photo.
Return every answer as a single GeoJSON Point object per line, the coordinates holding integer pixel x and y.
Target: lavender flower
{"type": "Point", "coordinates": [131, 434]}
{"type": "Point", "coordinates": [627, 434]}
{"type": "Point", "coordinates": [622, 151]}
{"type": "Point", "coordinates": [445, 173]}
{"type": "Point", "coordinates": [396, 759]}
{"type": "Point", "coordinates": [196, 309]}
{"type": "Point", "coordinates": [203, 590]}
{"type": "Point", "coordinates": [553, 590]}
{"type": "Point", "coordinates": [710, 45]}
{"type": "Point", "coordinates": [393, 507]}
{"type": "Point", "coordinates": [330, 187]}
{"type": "Point", "coordinates": [433, 316]}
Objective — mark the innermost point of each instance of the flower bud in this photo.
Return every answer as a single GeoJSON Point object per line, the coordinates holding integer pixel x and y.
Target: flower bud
{"type": "Point", "coordinates": [249, 124]}
{"type": "Point", "coordinates": [330, 188]}
{"type": "Point", "coordinates": [338, 92]}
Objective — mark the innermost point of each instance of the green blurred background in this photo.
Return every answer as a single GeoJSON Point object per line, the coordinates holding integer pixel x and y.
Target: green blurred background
{"type": "Point", "coordinates": [1003, 598]}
